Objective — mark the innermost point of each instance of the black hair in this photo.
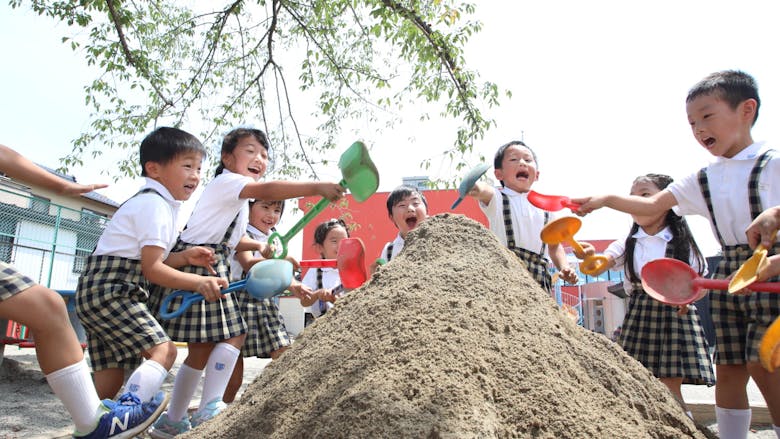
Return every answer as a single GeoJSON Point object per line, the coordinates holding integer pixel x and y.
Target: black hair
{"type": "Point", "coordinates": [321, 232]}
{"type": "Point", "coordinates": [401, 192]}
{"type": "Point", "coordinates": [730, 86]}
{"type": "Point", "coordinates": [682, 238]}
{"type": "Point", "coordinates": [279, 202]}
{"type": "Point", "coordinates": [231, 139]}
{"type": "Point", "coordinates": [165, 143]}
{"type": "Point", "coordinates": [498, 159]}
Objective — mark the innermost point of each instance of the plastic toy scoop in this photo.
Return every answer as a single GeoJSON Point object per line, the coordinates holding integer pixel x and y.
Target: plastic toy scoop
{"type": "Point", "coordinates": [552, 203]}
{"type": "Point", "coordinates": [674, 282]}
{"type": "Point", "coordinates": [265, 279]}
{"type": "Point", "coordinates": [748, 271]}
{"type": "Point", "coordinates": [359, 175]}
{"type": "Point", "coordinates": [469, 180]}
{"type": "Point", "coordinates": [562, 230]}
{"type": "Point", "coordinates": [350, 261]}
{"type": "Point", "coordinates": [769, 348]}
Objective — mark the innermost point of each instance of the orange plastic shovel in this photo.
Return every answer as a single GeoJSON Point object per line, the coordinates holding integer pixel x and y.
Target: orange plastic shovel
{"type": "Point", "coordinates": [748, 271]}
{"type": "Point", "coordinates": [562, 230]}
{"type": "Point", "coordinates": [769, 349]}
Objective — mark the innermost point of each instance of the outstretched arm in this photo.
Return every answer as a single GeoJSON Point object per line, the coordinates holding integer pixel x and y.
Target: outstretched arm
{"type": "Point", "coordinates": [482, 192]}
{"type": "Point", "coordinates": [16, 165]}
{"type": "Point", "coordinates": [633, 204]}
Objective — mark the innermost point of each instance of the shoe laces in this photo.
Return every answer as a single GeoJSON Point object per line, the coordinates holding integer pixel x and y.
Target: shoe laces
{"type": "Point", "coordinates": [129, 398]}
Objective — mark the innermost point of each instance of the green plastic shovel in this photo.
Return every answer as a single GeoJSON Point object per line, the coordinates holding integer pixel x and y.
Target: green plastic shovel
{"type": "Point", "coordinates": [359, 175]}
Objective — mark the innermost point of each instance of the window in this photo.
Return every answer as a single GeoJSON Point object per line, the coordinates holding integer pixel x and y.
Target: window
{"type": "Point", "coordinates": [40, 204]}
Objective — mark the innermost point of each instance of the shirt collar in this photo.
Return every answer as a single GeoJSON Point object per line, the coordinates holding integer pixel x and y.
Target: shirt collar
{"type": "Point", "coordinates": [749, 153]}
{"type": "Point", "coordinates": [665, 234]}
{"type": "Point", "coordinates": [254, 231]}
{"type": "Point", "coordinates": [513, 193]}
{"type": "Point", "coordinates": [166, 194]}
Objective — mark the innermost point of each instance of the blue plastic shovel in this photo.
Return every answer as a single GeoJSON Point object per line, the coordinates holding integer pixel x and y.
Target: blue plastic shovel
{"type": "Point", "coordinates": [265, 279]}
{"type": "Point", "coordinates": [469, 181]}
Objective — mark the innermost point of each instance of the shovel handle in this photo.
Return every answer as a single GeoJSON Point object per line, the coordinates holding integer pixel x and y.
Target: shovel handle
{"type": "Point", "coordinates": [297, 227]}
{"type": "Point", "coordinates": [723, 284]}
{"type": "Point", "coordinates": [319, 263]}
{"type": "Point", "coordinates": [188, 299]}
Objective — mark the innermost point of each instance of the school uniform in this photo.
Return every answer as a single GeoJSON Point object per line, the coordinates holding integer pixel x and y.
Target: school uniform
{"type": "Point", "coordinates": [112, 295]}
{"type": "Point", "coordinates": [517, 224]}
{"type": "Point", "coordinates": [319, 278]}
{"type": "Point", "coordinates": [12, 282]}
{"type": "Point", "coordinates": [392, 248]}
{"type": "Point", "coordinates": [265, 326]}
{"type": "Point", "coordinates": [667, 344]}
{"type": "Point", "coordinates": [218, 221]}
{"type": "Point", "coordinates": [731, 193]}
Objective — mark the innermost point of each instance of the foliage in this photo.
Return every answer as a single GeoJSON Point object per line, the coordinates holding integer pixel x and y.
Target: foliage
{"type": "Point", "coordinates": [173, 63]}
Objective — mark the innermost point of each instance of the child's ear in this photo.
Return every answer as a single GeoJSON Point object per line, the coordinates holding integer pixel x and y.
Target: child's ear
{"type": "Point", "coordinates": [749, 109]}
{"type": "Point", "coordinates": [152, 169]}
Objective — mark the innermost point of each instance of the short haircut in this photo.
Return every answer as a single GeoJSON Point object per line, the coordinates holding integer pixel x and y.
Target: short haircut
{"type": "Point", "coordinates": [275, 202]}
{"type": "Point", "coordinates": [321, 232]}
{"type": "Point", "coordinates": [165, 143]}
{"type": "Point", "coordinates": [498, 159]}
{"type": "Point", "coordinates": [730, 86]}
{"type": "Point", "coordinates": [398, 194]}
{"type": "Point", "coordinates": [230, 141]}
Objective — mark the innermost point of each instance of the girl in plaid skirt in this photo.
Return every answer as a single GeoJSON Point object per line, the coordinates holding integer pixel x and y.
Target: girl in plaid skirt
{"type": "Point", "coordinates": [325, 282]}
{"type": "Point", "coordinates": [215, 331]}
{"type": "Point", "coordinates": [667, 341]}
{"type": "Point", "coordinates": [514, 220]}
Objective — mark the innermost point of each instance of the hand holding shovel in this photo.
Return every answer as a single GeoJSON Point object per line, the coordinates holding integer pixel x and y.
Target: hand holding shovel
{"type": "Point", "coordinates": [562, 230]}
{"type": "Point", "coordinates": [552, 203]}
{"type": "Point", "coordinates": [350, 261]}
{"type": "Point", "coordinates": [469, 180]}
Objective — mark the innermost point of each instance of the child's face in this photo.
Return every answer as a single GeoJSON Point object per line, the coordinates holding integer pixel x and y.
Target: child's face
{"type": "Point", "coordinates": [518, 169]}
{"type": "Point", "coordinates": [329, 249]}
{"type": "Point", "coordinates": [180, 176]}
{"type": "Point", "coordinates": [249, 158]}
{"type": "Point", "coordinates": [717, 127]}
{"type": "Point", "coordinates": [408, 213]}
{"type": "Point", "coordinates": [264, 215]}
{"type": "Point", "coordinates": [650, 223]}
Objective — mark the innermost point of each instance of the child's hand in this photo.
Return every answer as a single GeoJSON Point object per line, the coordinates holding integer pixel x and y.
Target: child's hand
{"type": "Point", "coordinates": [300, 290]}
{"type": "Point", "coordinates": [588, 204]}
{"type": "Point", "coordinates": [587, 250]}
{"type": "Point", "coordinates": [682, 310]}
{"type": "Point", "coordinates": [296, 264]}
{"type": "Point", "coordinates": [763, 229]}
{"type": "Point", "coordinates": [569, 275]}
{"type": "Point", "coordinates": [331, 191]}
{"type": "Point", "coordinates": [78, 189]}
{"type": "Point", "coordinates": [201, 257]}
{"type": "Point", "coordinates": [266, 250]}
{"type": "Point", "coordinates": [771, 269]}
{"type": "Point", "coordinates": [325, 295]}
{"type": "Point", "coordinates": [210, 287]}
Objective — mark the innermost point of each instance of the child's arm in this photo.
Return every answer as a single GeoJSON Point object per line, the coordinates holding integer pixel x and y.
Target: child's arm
{"type": "Point", "coordinates": [282, 190]}
{"type": "Point", "coordinates": [248, 244]}
{"type": "Point", "coordinates": [15, 165]}
{"type": "Point", "coordinates": [156, 271]}
{"type": "Point", "coordinates": [200, 256]}
{"type": "Point", "coordinates": [633, 204]}
{"type": "Point", "coordinates": [558, 256]}
{"type": "Point", "coordinates": [771, 270]}
{"type": "Point", "coordinates": [482, 192]}
{"type": "Point", "coordinates": [590, 250]}
{"type": "Point", "coordinates": [762, 230]}
{"type": "Point", "coordinates": [301, 291]}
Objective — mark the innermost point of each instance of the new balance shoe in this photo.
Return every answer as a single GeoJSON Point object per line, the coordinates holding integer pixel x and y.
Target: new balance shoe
{"type": "Point", "coordinates": [125, 417]}
{"type": "Point", "coordinates": [211, 410]}
{"type": "Point", "coordinates": [164, 428]}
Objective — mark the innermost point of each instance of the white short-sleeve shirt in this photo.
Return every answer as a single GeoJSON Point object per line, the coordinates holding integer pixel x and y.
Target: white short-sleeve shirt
{"type": "Point", "coordinates": [330, 280]}
{"type": "Point", "coordinates": [143, 220]}
{"type": "Point", "coordinates": [527, 219]}
{"type": "Point", "coordinates": [218, 205]}
{"type": "Point", "coordinates": [728, 182]}
{"type": "Point", "coordinates": [648, 248]}
{"type": "Point", "coordinates": [236, 270]}
{"type": "Point", "coordinates": [398, 245]}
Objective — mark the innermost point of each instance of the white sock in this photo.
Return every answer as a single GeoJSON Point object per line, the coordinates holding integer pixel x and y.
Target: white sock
{"type": "Point", "coordinates": [776, 429]}
{"type": "Point", "coordinates": [184, 387]}
{"type": "Point", "coordinates": [733, 423]}
{"type": "Point", "coordinates": [218, 370]}
{"type": "Point", "coordinates": [73, 386]}
{"type": "Point", "coordinates": [146, 380]}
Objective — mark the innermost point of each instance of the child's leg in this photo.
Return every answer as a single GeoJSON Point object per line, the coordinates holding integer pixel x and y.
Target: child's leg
{"type": "Point", "coordinates": [147, 379]}
{"type": "Point", "coordinates": [219, 369]}
{"type": "Point", "coordinates": [236, 379]}
{"type": "Point", "coordinates": [769, 385]}
{"type": "Point", "coordinates": [674, 385]}
{"type": "Point", "coordinates": [731, 386]}
{"type": "Point", "coordinates": [108, 382]}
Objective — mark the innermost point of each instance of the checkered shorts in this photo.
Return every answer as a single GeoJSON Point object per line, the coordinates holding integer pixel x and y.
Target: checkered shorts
{"type": "Point", "coordinates": [668, 345]}
{"type": "Point", "coordinates": [204, 321]}
{"type": "Point", "coordinates": [536, 265]}
{"type": "Point", "coordinates": [265, 327]}
{"type": "Point", "coordinates": [741, 321]}
{"type": "Point", "coordinates": [111, 304]}
{"type": "Point", "coordinates": [12, 281]}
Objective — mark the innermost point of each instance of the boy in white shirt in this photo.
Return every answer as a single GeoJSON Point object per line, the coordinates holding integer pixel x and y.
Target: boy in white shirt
{"type": "Point", "coordinates": [406, 208]}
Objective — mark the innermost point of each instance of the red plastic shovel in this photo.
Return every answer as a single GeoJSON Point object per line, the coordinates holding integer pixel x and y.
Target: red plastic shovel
{"type": "Point", "coordinates": [552, 203]}
{"type": "Point", "coordinates": [674, 282]}
{"type": "Point", "coordinates": [350, 261]}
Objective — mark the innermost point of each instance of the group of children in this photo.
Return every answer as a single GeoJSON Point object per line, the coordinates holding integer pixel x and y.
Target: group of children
{"type": "Point", "coordinates": [141, 257]}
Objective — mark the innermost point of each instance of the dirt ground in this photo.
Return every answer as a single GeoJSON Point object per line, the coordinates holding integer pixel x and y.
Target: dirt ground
{"type": "Point", "coordinates": [451, 339]}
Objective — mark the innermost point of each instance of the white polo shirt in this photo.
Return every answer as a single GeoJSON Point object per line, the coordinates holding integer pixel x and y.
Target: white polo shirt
{"type": "Point", "coordinates": [143, 220]}
{"type": "Point", "coordinates": [398, 245]}
{"type": "Point", "coordinates": [330, 279]}
{"type": "Point", "coordinates": [728, 182]}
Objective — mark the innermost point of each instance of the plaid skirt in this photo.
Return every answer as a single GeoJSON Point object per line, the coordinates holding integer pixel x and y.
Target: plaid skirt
{"type": "Point", "coordinates": [265, 327]}
{"type": "Point", "coordinates": [12, 281]}
{"type": "Point", "coordinates": [740, 320]}
{"type": "Point", "coordinates": [111, 304]}
{"type": "Point", "coordinates": [203, 322]}
{"type": "Point", "coordinates": [668, 345]}
{"type": "Point", "coordinates": [536, 265]}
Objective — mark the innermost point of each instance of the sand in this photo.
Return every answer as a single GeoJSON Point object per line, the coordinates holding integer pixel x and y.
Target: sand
{"type": "Point", "coordinates": [452, 339]}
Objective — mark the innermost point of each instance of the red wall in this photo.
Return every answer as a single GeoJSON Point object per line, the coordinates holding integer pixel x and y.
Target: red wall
{"type": "Point", "coordinates": [369, 221]}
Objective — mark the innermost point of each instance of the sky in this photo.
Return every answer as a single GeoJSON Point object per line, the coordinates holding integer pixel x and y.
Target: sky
{"type": "Point", "coordinates": [598, 92]}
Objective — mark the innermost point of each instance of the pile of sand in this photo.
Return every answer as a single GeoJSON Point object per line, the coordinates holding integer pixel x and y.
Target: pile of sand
{"type": "Point", "coordinates": [452, 339]}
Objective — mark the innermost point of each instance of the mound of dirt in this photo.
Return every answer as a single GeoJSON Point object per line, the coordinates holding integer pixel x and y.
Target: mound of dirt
{"type": "Point", "coordinates": [452, 338]}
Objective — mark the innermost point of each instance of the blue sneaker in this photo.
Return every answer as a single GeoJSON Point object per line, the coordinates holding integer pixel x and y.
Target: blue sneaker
{"type": "Point", "coordinates": [126, 417]}
{"type": "Point", "coordinates": [212, 409]}
{"type": "Point", "coordinates": [164, 428]}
